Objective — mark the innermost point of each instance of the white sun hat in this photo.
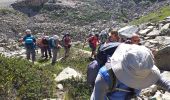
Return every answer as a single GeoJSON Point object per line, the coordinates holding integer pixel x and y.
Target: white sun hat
{"type": "Point", "coordinates": [134, 66]}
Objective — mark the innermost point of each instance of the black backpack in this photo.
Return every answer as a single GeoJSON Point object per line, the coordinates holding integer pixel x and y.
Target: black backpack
{"type": "Point", "coordinates": [105, 51]}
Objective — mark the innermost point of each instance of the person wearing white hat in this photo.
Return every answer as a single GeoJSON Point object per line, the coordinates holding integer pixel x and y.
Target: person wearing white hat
{"type": "Point", "coordinates": [130, 69]}
{"type": "Point", "coordinates": [55, 45]}
{"type": "Point", "coordinates": [30, 44]}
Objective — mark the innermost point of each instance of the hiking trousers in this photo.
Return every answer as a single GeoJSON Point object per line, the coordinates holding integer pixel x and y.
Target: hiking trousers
{"type": "Point", "coordinates": [30, 52]}
{"type": "Point", "coordinates": [54, 57]}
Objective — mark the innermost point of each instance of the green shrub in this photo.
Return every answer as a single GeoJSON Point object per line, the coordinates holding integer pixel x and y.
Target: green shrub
{"type": "Point", "coordinates": [26, 81]}
{"type": "Point", "coordinates": [77, 89]}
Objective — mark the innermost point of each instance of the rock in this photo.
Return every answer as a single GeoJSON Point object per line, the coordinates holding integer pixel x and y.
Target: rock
{"type": "Point", "coordinates": [150, 27]}
{"type": "Point", "coordinates": [66, 74]}
{"type": "Point", "coordinates": [144, 32]}
{"type": "Point", "coordinates": [162, 58]}
{"type": "Point", "coordinates": [166, 75]}
{"type": "Point", "coordinates": [50, 99]}
{"type": "Point", "coordinates": [128, 31]}
{"type": "Point", "coordinates": [153, 33]}
{"type": "Point", "coordinates": [60, 86]}
{"type": "Point", "coordinates": [166, 96]}
{"type": "Point", "coordinates": [149, 91]}
{"type": "Point", "coordinates": [2, 49]}
{"type": "Point", "coordinates": [165, 27]}
{"type": "Point", "coordinates": [157, 96]}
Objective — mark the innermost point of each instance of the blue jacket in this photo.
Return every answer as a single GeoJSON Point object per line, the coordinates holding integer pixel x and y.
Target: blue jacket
{"type": "Point", "coordinates": [117, 94]}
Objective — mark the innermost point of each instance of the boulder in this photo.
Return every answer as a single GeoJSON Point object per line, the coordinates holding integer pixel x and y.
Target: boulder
{"type": "Point", "coordinates": [153, 33]}
{"type": "Point", "coordinates": [165, 27]}
{"type": "Point", "coordinates": [166, 96]}
{"type": "Point", "coordinates": [145, 31]}
{"type": "Point", "coordinates": [166, 75]}
{"type": "Point", "coordinates": [60, 87]}
{"type": "Point", "coordinates": [67, 73]}
{"type": "Point", "coordinates": [128, 31]}
{"type": "Point", "coordinates": [162, 58]}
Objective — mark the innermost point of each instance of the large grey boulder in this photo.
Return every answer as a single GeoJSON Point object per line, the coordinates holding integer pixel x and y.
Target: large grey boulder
{"type": "Point", "coordinates": [162, 58]}
{"type": "Point", "coordinates": [67, 73]}
{"type": "Point", "coordinates": [128, 31]}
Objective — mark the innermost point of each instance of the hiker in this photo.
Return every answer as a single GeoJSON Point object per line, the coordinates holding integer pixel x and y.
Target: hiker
{"type": "Point", "coordinates": [47, 50]}
{"type": "Point", "coordinates": [41, 46]}
{"type": "Point", "coordinates": [135, 39]}
{"type": "Point", "coordinates": [93, 43]}
{"type": "Point", "coordinates": [67, 44]}
{"type": "Point", "coordinates": [30, 45]}
{"type": "Point", "coordinates": [55, 45]}
{"type": "Point", "coordinates": [113, 36]}
{"type": "Point", "coordinates": [103, 36]}
{"type": "Point", "coordinates": [130, 69]}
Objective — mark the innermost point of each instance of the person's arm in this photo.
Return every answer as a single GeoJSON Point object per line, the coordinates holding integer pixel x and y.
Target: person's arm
{"type": "Point", "coordinates": [100, 89]}
{"type": "Point", "coordinates": [165, 84]}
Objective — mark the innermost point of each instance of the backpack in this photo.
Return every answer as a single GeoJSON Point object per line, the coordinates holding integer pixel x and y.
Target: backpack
{"type": "Point", "coordinates": [92, 71]}
{"type": "Point", "coordinates": [104, 52]}
{"type": "Point", "coordinates": [29, 42]}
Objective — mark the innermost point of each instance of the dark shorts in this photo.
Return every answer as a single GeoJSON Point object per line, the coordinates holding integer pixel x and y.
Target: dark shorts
{"type": "Point", "coordinates": [93, 48]}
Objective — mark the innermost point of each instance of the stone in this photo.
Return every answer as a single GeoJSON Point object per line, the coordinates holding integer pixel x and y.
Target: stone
{"type": "Point", "coordinates": [145, 31]}
{"type": "Point", "coordinates": [165, 75]}
{"type": "Point", "coordinates": [67, 73]}
{"type": "Point", "coordinates": [166, 96]}
{"type": "Point", "coordinates": [153, 33]}
{"type": "Point", "coordinates": [50, 99]}
{"type": "Point", "coordinates": [162, 58]}
{"type": "Point", "coordinates": [165, 27]}
{"type": "Point", "coordinates": [149, 91]}
{"type": "Point", "coordinates": [157, 96]}
{"type": "Point", "coordinates": [60, 87]}
{"type": "Point", "coordinates": [150, 27]}
{"type": "Point", "coordinates": [2, 49]}
{"type": "Point", "coordinates": [128, 31]}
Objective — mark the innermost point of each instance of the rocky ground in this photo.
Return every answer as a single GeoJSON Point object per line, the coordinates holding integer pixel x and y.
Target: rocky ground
{"type": "Point", "coordinates": [153, 35]}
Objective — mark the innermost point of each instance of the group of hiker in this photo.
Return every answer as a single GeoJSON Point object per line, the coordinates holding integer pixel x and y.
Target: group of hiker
{"type": "Point", "coordinates": [121, 68]}
{"type": "Point", "coordinates": [49, 46]}
{"type": "Point", "coordinates": [95, 40]}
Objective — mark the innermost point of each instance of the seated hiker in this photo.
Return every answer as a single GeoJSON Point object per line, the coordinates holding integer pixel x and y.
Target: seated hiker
{"type": "Point", "coordinates": [30, 44]}
{"type": "Point", "coordinates": [130, 69]}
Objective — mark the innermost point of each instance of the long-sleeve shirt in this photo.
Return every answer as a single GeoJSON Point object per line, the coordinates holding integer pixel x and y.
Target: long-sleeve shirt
{"type": "Point", "coordinates": [101, 89]}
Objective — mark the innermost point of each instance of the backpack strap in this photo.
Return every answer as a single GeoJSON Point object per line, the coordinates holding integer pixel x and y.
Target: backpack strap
{"type": "Point", "coordinates": [112, 83]}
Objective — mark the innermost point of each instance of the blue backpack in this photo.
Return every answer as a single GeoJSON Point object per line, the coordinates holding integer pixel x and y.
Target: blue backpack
{"type": "Point", "coordinates": [29, 42]}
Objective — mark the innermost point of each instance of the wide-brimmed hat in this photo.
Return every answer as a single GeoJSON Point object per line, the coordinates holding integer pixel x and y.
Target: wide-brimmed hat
{"type": "Point", "coordinates": [134, 66]}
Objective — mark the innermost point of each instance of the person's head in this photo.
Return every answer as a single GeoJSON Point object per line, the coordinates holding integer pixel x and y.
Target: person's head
{"type": "Point", "coordinates": [135, 39]}
{"type": "Point", "coordinates": [56, 37]}
{"type": "Point", "coordinates": [114, 35]}
{"type": "Point", "coordinates": [27, 31]}
{"type": "Point", "coordinates": [46, 37]}
{"type": "Point", "coordinates": [97, 35]}
{"type": "Point", "coordinates": [134, 66]}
